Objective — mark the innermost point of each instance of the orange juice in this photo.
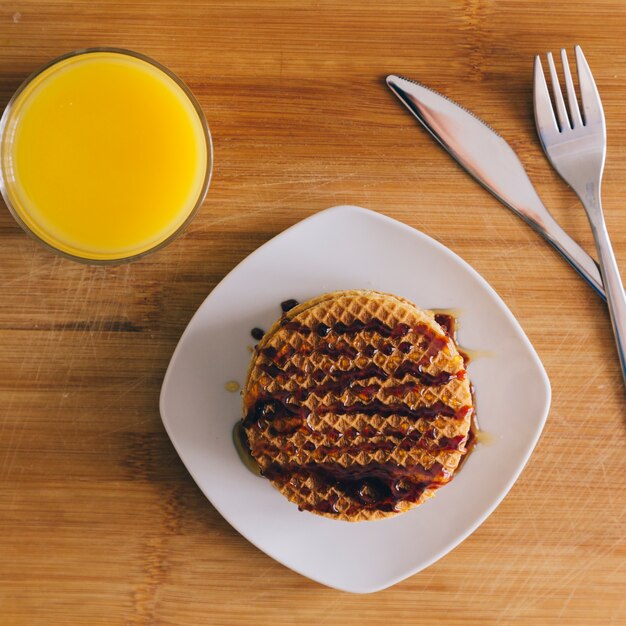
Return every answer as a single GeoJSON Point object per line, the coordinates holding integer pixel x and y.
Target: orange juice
{"type": "Point", "coordinates": [104, 155]}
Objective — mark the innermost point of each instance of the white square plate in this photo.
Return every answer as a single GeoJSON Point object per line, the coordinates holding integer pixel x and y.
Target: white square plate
{"type": "Point", "coordinates": [351, 248]}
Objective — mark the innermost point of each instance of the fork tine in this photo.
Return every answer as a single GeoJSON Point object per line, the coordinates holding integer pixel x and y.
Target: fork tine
{"type": "Point", "coordinates": [592, 105]}
{"type": "Point", "coordinates": [559, 104]}
{"type": "Point", "coordinates": [544, 113]}
{"type": "Point", "coordinates": [572, 101]}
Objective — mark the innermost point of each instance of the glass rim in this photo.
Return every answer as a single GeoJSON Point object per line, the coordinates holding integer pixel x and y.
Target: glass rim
{"type": "Point", "coordinates": [205, 130]}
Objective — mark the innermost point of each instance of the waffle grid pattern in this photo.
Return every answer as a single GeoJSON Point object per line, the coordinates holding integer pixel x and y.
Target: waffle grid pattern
{"type": "Point", "coordinates": [360, 437]}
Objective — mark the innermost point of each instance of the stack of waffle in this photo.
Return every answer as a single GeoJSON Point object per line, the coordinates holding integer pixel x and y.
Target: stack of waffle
{"type": "Point", "coordinates": [357, 405]}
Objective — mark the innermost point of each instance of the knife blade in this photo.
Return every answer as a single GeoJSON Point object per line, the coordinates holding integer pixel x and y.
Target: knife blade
{"type": "Point", "coordinates": [486, 156]}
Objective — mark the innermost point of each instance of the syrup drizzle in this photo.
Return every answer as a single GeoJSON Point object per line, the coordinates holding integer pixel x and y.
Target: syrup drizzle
{"type": "Point", "coordinates": [431, 380]}
{"type": "Point", "coordinates": [240, 439]}
{"type": "Point", "coordinates": [449, 323]}
{"type": "Point", "coordinates": [287, 305]}
{"type": "Point", "coordinates": [348, 376]}
{"type": "Point", "coordinates": [432, 342]}
{"type": "Point", "coordinates": [374, 325]}
{"type": "Point", "coordinates": [379, 486]}
{"type": "Point", "coordinates": [284, 417]}
{"type": "Point", "coordinates": [279, 412]}
{"type": "Point", "coordinates": [257, 333]}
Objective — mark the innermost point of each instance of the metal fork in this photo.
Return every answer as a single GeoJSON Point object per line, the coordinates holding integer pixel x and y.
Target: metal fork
{"type": "Point", "coordinates": [575, 145]}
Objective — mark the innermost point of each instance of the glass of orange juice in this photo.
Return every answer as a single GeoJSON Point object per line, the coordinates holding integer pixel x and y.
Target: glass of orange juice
{"type": "Point", "coordinates": [105, 155]}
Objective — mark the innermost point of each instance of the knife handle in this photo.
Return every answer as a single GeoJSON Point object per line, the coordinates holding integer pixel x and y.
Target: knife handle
{"type": "Point", "coordinates": [570, 250]}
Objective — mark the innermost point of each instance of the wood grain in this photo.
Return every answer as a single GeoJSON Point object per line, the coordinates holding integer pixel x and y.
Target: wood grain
{"type": "Point", "coordinates": [99, 521]}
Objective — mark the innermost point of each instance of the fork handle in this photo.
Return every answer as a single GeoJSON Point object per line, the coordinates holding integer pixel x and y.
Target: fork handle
{"type": "Point", "coordinates": [585, 265]}
{"type": "Point", "coordinates": [616, 299]}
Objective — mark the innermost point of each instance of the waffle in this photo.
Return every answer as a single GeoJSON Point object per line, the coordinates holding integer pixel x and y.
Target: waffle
{"type": "Point", "coordinates": [357, 405]}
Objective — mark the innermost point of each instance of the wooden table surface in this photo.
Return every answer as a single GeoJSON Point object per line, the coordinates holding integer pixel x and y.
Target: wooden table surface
{"type": "Point", "coordinates": [99, 521]}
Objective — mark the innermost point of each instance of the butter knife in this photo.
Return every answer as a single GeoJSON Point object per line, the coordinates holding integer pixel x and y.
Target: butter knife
{"type": "Point", "coordinates": [484, 154]}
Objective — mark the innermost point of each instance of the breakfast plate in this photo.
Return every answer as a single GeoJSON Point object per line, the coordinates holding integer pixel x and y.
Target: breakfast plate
{"type": "Point", "coordinates": [343, 248]}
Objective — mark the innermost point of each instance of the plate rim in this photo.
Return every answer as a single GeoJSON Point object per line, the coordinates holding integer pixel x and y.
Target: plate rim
{"type": "Point", "coordinates": [500, 494]}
